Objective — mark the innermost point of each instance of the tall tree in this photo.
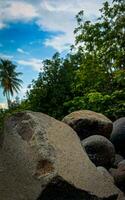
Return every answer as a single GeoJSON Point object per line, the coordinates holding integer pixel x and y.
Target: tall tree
{"type": "Point", "coordinates": [9, 80]}
{"type": "Point", "coordinates": [53, 87]}
{"type": "Point", "coordinates": [101, 73]}
{"type": "Point", "coordinates": [92, 76]}
{"type": "Point", "coordinates": [104, 42]}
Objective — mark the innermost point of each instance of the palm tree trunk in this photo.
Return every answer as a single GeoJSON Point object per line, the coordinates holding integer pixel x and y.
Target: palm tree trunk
{"type": "Point", "coordinates": [8, 101]}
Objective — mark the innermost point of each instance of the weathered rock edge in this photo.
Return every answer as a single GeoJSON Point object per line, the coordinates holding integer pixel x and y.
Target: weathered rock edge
{"type": "Point", "coordinates": [87, 123]}
{"type": "Point", "coordinates": [38, 148]}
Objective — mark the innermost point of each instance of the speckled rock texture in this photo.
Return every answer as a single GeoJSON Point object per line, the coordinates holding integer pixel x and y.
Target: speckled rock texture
{"type": "Point", "coordinates": [118, 136]}
{"type": "Point", "coordinates": [106, 173]}
{"type": "Point", "coordinates": [100, 150]}
{"type": "Point", "coordinates": [37, 149]}
{"type": "Point", "coordinates": [87, 123]}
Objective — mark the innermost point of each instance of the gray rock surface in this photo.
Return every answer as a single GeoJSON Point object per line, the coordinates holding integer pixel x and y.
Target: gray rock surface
{"type": "Point", "coordinates": [118, 159]}
{"type": "Point", "coordinates": [118, 136]}
{"type": "Point", "coordinates": [37, 150]}
{"type": "Point", "coordinates": [87, 123]}
{"type": "Point", "coordinates": [119, 176]}
{"type": "Point", "coordinates": [121, 196]}
{"type": "Point", "coordinates": [122, 162]}
{"type": "Point", "coordinates": [100, 150]}
{"type": "Point", "coordinates": [106, 173]}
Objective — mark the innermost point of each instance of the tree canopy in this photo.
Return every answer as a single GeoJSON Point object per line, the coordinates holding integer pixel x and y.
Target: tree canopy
{"type": "Point", "coordinates": [91, 78]}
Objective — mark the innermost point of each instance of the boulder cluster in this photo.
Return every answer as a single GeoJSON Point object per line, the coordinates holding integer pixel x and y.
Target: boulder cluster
{"type": "Point", "coordinates": [78, 158]}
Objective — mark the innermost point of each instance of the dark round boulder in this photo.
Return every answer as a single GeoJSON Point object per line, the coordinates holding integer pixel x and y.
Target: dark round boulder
{"type": "Point", "coordinates": [87, 123]}
{"type": "Point", "coordinates": [118, 136]}
{"type": "Point", "coordinates": [100, 150]}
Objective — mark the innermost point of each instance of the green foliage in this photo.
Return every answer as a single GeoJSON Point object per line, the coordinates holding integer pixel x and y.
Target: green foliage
{"type": "Point", "coordinates": [113, 106]}
{"type": "Point", "coordinates": [53, 87]}
{"type": "Point", "coordinates": [14, 108]}
{"type": "Point", "coordinates": [2, 116]}
{"type": "Point", "coordinates": [91, 78]}
{"type": "Point", "coordinates": [119, 79]}
{"type": "Point", "coordinates": [104, 45]}
{"type": "Point", "coordinates": [9, 80]}
{"type": "Point", "coordinates": [10, 83]}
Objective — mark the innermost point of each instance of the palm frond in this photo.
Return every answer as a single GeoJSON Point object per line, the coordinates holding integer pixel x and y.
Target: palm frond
{"type": "Point", "coordinates": [9, 80]}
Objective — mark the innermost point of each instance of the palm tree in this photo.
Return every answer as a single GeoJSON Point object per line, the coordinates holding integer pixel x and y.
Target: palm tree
{"type": "Point", "coordinates": [9, 80]}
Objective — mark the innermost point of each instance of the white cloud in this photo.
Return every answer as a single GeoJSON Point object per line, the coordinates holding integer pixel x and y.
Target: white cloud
{"type": "Point", "coordinates": [72, 7]}
{"type": "Point", "coordinates": [50, 15]}
{"type": "Point", "coordinates": [38, 41]}
{"type": "Point", "coordinates": [22, 51]}
{"type": "Point", "coordinates": [36, 64]}
{"type": "Point", "coordinates": [60, 42]}
{"type": "Point", "coordinates": [3, 106]}
{"type": "Point", "coordinates": [2, 25]}
{"type": "Point", "coordinates": [22, 92]}
{"type": "Point", "coordinates": [60, 16]}
{"type": "Point", "coordinates": [5, 56]}
{"type": "Point", "coordinates": [16, 11]}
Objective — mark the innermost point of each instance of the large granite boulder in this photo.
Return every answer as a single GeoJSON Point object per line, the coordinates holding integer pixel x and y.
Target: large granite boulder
{"type": "Point", "coordinates": [100, 150]}
{"type": "Point", "coordinates": [87, 123]}
{"type": "Point", "coordinates": [39, 153]}
{"type": "Point", "coordinates": [118, 136]}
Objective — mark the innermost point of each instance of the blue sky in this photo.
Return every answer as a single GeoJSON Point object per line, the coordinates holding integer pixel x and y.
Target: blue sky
{"type": "Point", "coordinates": [33, 30]}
